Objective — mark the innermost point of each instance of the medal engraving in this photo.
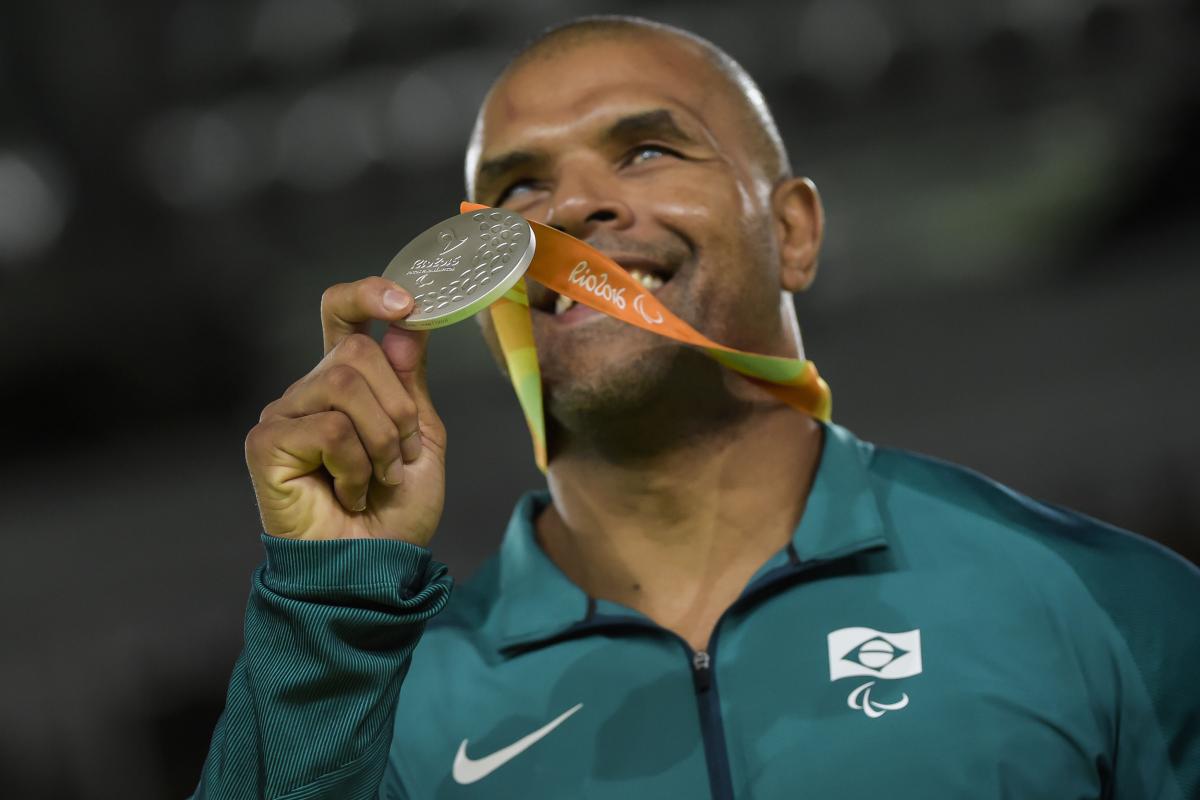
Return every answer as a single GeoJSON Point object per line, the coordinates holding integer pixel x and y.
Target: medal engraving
{"type": "Point", "coordinates": [461, 266]}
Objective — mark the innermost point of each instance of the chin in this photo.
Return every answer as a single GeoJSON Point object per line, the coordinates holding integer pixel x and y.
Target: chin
{"type": "Point", "coordinates": [640, 403]}
{"type": "Point", "coordinates": [607, 364]}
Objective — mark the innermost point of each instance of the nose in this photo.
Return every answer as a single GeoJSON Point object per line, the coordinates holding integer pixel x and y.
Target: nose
{"type": "Point", "coordinates": [584, 200]}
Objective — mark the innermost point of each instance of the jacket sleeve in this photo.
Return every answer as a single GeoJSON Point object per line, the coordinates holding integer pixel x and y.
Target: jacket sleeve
{"type": "Point", "coordinates": [1158, 751]}
{"type": "Point", "coordinates": [330, 629]}
{"type": "Point", "coordinates": [1151, 596]}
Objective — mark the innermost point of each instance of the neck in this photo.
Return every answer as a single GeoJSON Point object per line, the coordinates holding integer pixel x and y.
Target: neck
{"type": "Point", "coordinates": [676, 534]}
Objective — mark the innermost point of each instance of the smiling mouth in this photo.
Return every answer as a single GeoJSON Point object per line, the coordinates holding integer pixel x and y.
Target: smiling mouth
{"type": "Point", "coordinates": [652, 279]}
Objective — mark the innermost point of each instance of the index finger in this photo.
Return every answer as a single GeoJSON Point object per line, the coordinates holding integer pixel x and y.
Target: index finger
{"type": "Point", "coordinates": [348, 308]}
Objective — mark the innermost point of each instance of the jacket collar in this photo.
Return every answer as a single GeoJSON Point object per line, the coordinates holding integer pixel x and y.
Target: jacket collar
{"type": "Point", "coordinates": [537, 601]}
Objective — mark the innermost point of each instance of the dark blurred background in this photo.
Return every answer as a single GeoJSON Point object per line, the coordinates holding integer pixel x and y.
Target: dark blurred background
{"type": "Point", "coordinates": [1010, 282]}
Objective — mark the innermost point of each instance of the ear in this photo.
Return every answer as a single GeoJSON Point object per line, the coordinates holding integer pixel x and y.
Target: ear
{"type": "Point", "coordinates": [799, 225]}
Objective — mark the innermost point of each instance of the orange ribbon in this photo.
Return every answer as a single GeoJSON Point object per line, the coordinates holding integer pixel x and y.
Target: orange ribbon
{"type": "Point", "coordinates": [572, 268]}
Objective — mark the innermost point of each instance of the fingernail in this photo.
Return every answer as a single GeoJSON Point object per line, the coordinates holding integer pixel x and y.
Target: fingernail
{"type": "Point", "coordinates": [395, 472]}
{"type": "Point", "coordinates": [410, 446]}
{"type": "Point", "coordinates": [394, 300]}
{"type": "Point", "coordinates": [362, 504]}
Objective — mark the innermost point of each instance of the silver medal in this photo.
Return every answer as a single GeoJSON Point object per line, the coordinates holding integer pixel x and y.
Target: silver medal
{"type": "Point", "coordinates": [462, 265]}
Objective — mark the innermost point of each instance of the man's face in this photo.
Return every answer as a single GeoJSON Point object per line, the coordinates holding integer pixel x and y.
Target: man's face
{"type": "Point", "coordinates": [637, 146]}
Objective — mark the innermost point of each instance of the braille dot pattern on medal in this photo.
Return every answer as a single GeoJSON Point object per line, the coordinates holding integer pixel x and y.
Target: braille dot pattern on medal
{"type": "Point", "coordinates": [502, 239]}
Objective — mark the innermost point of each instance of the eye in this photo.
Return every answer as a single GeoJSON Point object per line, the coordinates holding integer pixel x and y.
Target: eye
{"type": "Point", "coordinates": [648, 152]}
{"type": "Point", "coordinates": [516, 190]}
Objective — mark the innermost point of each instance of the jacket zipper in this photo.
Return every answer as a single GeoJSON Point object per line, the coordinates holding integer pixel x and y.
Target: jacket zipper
{"type": "Point", "coordinates": [712, 727]}
{"type": "Point", "coordinates": [700, 665]}
{"type": "Point", "coordinates": [700, 662]}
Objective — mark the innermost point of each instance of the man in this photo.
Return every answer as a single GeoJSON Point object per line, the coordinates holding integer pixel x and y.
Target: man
{"type": "Point", "coordinates": [718, 596]}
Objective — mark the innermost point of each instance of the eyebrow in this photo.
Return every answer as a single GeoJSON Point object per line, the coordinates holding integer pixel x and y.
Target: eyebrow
{"type": "Point", "coordinates": [656, 123]}
{"type": "Point", "coordinates": [494, 169]}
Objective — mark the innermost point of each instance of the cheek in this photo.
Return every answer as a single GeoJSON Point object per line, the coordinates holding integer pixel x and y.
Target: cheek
{"type": "Point", "coordinates": [702, 195]}
{"type": "Point", "coordinates": [752, 199]}
{"type": "Point", "coordinates": [737, 284]}
{"type": "Point", "coordinates": [723, 220]}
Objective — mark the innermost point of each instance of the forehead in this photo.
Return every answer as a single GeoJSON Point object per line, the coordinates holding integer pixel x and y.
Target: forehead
{"type": "Point", "coordinates": [594, 80]}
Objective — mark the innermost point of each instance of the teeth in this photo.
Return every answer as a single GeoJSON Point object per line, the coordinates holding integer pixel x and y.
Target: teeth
{"type": "Point", "coordinates": [647, 279]}
{"type": "Point", "coordinates": [562, 304]}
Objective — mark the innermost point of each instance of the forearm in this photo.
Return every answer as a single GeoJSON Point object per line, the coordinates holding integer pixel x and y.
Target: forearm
{"type": "Point", "coordinates": [330, 629]}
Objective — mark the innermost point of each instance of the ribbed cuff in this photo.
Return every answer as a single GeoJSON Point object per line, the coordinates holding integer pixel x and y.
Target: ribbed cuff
{"type": "Point", "coordinates": [343, 564]}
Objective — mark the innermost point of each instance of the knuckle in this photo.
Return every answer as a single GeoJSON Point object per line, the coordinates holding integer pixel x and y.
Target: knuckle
{"type": "Point", "coordinates": [255, 440]}
{"type": "Point", "coordinates": [404, 414]}
{"type": "Point", "coordinates": [383, 445]}
{"type": "Point", "coordinates": [356, 346]}
{"type": "Point", "coordinates": [336, 428]}
{"type": "Point", "coordinates": [330, 296]}
{"type": "Point", "coordinates": [342, 377]}
{"type": "Point", "coordinates": [368, 288]}
{"type": "Point", "coordinates": [251, 441]}
{"type": "Point", "coordinates": [268, 411]}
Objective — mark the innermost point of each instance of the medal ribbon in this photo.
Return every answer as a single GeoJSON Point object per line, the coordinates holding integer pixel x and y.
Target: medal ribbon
{"type": "Point", "coordinates": [572, 268]}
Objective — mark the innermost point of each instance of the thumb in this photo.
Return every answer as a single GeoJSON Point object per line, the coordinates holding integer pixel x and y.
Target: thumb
{"type": "Point", "coordinates": [406, 351]}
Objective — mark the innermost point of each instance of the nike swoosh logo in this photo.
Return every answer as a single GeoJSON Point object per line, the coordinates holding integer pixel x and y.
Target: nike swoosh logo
{"type": "Point", "coordinates": [468, 770]}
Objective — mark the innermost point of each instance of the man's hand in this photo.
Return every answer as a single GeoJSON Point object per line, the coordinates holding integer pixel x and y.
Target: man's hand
{"type": "Point", "coordinates": [354, 449]}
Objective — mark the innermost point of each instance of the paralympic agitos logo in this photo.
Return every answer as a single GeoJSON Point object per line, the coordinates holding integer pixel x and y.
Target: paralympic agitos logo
{"type": "Point", "coordinates": [868, 652]}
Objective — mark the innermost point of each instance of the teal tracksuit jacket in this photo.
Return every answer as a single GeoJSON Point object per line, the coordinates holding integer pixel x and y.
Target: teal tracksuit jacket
{"type": "Point", "coordinates": [927, 634]}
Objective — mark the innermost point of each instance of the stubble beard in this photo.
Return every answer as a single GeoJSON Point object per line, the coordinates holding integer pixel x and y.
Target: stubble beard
{"type": "Point", "coordinates": [623, 394]}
